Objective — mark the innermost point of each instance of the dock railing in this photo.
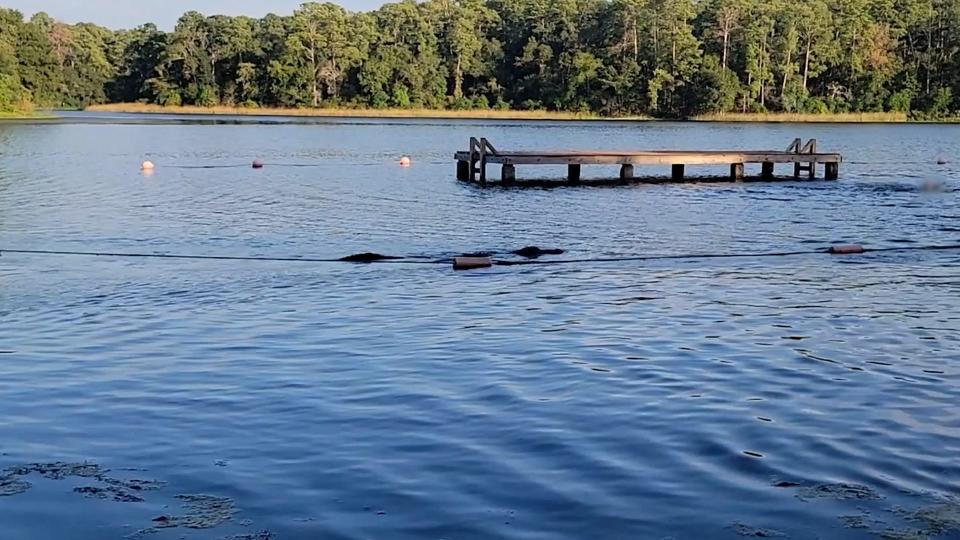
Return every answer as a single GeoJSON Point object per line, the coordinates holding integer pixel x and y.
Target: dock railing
{"type": "Point", "coordinates": [479, 150]}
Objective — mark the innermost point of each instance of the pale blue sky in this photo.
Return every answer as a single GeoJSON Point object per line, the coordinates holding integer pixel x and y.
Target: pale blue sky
{"type": "Point", "coordinates": [131, 13]}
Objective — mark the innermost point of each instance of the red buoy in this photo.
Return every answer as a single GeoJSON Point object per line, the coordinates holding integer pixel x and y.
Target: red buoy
{"type": "Point", "coordinates": [850, 249]}
{"type": "Point", "coordinates": [470, 263]}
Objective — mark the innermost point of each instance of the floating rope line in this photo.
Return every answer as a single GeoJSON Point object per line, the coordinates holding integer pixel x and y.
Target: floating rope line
{"type": "Point", "coordinates": [243, 166]}
{"type": "Point", "coordinates": [369, 258]}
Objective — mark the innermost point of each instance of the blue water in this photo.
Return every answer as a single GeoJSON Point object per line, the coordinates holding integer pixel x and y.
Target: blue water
{"type": "Point", "coordinates": [810, 396]}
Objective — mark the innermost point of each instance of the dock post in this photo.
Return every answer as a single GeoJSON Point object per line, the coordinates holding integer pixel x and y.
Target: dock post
{"type": "Point", "coordinates": [474, 157]}
{"type": "Point", "coordinates": [767, 170]}
{"type": "Point", "coordinates": [676, 172]}
{"type": "Point", "coordinates": [832, 170]}
{"type": "Point", "coordinates": [736, 171]}
{"type": "Point", "coordinates": [797, 168]}
{"type": "Point", "coordinates": [483, 162]}
{"type": "Point", "coordinates": [813, 170]}
{"type": "Point", "coordinates": [508, 174]}
{"type": "Point", "coordinates": [463, 170]}
{"type": "Point", "coordinates": [626, 172]}
{"type": "Point", "coordinates": [573, 173]}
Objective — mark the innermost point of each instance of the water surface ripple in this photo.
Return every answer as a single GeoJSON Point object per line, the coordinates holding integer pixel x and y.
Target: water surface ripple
{"type": "Point", "coordinates": [809, 396]}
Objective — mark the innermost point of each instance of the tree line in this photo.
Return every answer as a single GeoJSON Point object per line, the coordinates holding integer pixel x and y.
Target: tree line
{"type": "Point", "coordinates": [668, 58]}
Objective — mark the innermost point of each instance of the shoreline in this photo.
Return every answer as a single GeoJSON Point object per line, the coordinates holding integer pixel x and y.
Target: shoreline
{"type": "Point", "coordinates": [438, 114]}
{"type": "Point", "coordinates": [477, 114]}
{"type": "Point", "coordinates": [808, 118]}
{"type": "Point", "coordinates": [26, 117]}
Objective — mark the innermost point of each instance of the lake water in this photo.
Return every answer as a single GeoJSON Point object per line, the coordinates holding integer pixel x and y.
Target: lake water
{"type": "Point", "coordinates": [809, 396]}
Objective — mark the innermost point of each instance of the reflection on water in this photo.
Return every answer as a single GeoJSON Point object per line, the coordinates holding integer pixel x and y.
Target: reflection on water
{"type": "Point", "coordinates": [807, 396]}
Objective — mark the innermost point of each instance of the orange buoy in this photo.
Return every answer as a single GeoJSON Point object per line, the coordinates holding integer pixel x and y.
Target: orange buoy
{"type": "Point", "coordinates": [850, 249]}
{"type": "Point", "coordinates": [470, 263]}
{"type": "Point", "coordinates": [147, 166]}
{"type": "Point", "coordinates": [405, 161]}
{"type": "Point", "coordinates": [258, 164]}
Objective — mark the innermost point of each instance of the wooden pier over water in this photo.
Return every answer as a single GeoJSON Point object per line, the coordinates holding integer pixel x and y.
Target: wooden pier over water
{"type": "Point", "coordinates": [472, 164]}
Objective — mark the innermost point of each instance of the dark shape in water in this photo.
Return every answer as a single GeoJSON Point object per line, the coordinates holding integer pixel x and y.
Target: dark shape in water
{"type": "Point", "coordinates": [786, 484]}
{"type": "Point", "coordinates": [534, 252]}
{"type": "Point", "coordinates": [368, 257]}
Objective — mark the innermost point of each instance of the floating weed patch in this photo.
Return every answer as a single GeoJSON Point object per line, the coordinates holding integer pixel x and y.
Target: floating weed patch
{"type": "Point", "coordinates": [902, 534]}
{"type": "Point", "coordinates": [112, 493]}
{"type": "Point", "coordinates": [116, 489]}
{"type": "Point", "coordinates": [935, 520]}
{"type": "Point", "coordinates": [939, 518]}
{"type": "Point", "coordinates": [755, 532]}
{"type": "Point", "coordinates": [10, 485]}
{"type": "Point", "coordinates": [203, 512]}
{"type": "Point", "coordinates": [200, 511]}
{"type": "Point", "coordinates": [58, 470]}
{"type": "Point", "coordinates": [838, 492]}
{"type": "Point", "coordinates": [856, 521]}
{"type": "Point", "coordinates": [261, 535]}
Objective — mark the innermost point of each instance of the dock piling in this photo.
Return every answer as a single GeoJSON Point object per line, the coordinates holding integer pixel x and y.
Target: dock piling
{"type": "Point", "coordinates": [767, 170]}
{"type": "Point", "coordinates": [508, 174]}
{"type": "Point", "coordinates": [676, 171]}
{"type": "Point", "coordinates": [573, 173]}
{"type": "Point", "coordinates": [832, 170]}
{"type": "Point", "coordinates": [736, 172]}
{"type": "Point", "coordinates": [626, 171]}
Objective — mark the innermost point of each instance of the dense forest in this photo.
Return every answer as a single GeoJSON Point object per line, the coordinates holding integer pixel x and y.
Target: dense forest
{"type": "Point", "coordinates": [616, 57]}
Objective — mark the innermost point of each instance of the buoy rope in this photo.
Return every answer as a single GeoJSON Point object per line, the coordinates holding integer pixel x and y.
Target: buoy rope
{"type": "Point", "coordinates": [238, 166]}
{"type": "Point", "coordinates": [693, 256]}
{"type": "Point", "coordinates": [427, 260]}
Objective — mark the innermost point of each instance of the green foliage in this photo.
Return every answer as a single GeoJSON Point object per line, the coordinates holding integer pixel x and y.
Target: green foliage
{"type": "Point", "coordinates": [13, 96]}
{"type": "Point", "coordinates": [667, 58]}
{"type": "Point", "coordinates": [713, 89]}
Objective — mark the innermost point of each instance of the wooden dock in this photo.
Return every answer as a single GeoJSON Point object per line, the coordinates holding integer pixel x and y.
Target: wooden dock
{"type": "Point", "coordinates": [472, 164]}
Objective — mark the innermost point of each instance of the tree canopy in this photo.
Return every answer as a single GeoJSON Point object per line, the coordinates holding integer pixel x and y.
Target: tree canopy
{"type": "Point", "coordinates": [669, 58]}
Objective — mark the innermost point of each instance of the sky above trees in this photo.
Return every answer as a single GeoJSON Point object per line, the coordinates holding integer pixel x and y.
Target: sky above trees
{"type": "Point", "coordinates": [163, 13]}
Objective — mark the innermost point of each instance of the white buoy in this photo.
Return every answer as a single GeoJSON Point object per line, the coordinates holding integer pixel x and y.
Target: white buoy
{"type": "Point", "coordinates": [147, 166]}
{"type": "Point", "coordinates": [405, 161]}
{"type": "Point", "coordinates": [258, 164]}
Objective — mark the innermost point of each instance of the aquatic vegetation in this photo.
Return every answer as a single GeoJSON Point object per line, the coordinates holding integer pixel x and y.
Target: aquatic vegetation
{"type": "Point", "coordinates": [203, 512]}
{"type": "Point", "coordinates": [839, 491]}
{"type": "Point", "coordinates": [756, 532]}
